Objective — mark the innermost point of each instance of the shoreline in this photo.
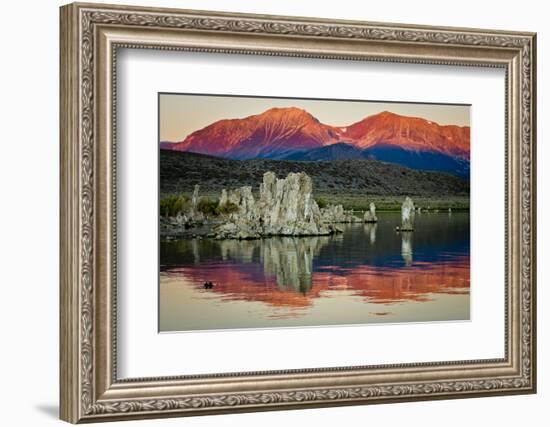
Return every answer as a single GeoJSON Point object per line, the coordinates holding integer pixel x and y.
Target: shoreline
{"type": "Point", "coordinates": [359, 201]}
{"type": "Point", "coordinates": [205, 230]}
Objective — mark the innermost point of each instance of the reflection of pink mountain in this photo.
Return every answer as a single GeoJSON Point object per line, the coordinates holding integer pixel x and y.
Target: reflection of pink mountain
{"type": "Point", "coordinates": [294, 134]}
{"type": "Point", "coordinates": [375, 285]}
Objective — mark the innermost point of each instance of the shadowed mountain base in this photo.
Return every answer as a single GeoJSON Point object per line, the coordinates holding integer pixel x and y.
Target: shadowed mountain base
{"type": "Point", "coordinates": [181, 171]}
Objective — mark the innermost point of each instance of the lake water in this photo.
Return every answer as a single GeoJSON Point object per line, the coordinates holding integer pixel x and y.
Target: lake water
{"type": "Point", "coordinates": [368, 274]}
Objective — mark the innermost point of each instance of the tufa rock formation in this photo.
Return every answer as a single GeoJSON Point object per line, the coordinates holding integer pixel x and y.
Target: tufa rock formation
{"type": "Point", "coordinates": [195, 198]}
{"type": "Point", "coordinates": [332, 213]}
{"type": "Point", "coordinates": [407, 215]}
{"type": "Point", "coordinates": [194, 215]}
{"type": "Point", "coordinates": [336, 214]}
{"type": "Point", "coordinates": [184, 219]}
{"type": "Point", "coordinates": [285, 208]}
{"type": "Point", "coordinates": [370, 215]}
{"type": "Point", "coordinates": [223, 199]}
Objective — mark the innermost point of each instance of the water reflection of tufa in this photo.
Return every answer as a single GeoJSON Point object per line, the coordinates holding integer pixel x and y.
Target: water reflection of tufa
{"type": "Point", "coordinates": [406, 247]}
{"type": "Point", "coordinates": [370, 230]}
{"type": "Point", "coordinates": [238, 249]}
{"type": "Point", "coordinates": [288, 259]}
{"type": "Point", "coordinates": [280, 272]}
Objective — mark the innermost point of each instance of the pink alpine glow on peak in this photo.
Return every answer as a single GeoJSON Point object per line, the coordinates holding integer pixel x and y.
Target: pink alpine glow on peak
{"type": "Point", "coordinates": [412, 133]}
{"type": "Point", "coordinates": [279, 131]}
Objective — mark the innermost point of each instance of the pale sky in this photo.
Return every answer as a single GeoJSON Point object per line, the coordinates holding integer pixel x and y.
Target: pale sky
{"type": "Point", "coordinates": [182, 114]}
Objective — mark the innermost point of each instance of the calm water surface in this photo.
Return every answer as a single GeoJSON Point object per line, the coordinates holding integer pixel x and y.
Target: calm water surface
{"type": "Point", "coordinates": [368, 274]}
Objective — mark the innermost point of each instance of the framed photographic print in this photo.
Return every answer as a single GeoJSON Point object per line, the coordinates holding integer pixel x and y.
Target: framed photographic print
{"type": "Point", "coordinates": [264, 212]}
{"type": "Point", "coordinates": [271, 220]}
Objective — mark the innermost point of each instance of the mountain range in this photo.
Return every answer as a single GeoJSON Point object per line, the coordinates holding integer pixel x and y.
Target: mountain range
{"type": "Point", "coordinates": [294, 134]}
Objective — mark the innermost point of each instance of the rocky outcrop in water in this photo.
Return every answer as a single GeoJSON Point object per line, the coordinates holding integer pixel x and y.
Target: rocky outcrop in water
{"type": "Point", "coordinates": [242, 224]}
{"type": "Point", "coordinates": [407, 215]}
{"type": "Point", "coordinates": [243, 198]}
{"type": "Point", "coordinates": [333, 214]}
{"type": "Point", "coordinates": [286, 207]}
{"type": "Point", "coordinates": [370, 215]}
{"type": "Point", "coordinates": [189, 217]}
{"type": "Point", "coordinates": [173, 226]}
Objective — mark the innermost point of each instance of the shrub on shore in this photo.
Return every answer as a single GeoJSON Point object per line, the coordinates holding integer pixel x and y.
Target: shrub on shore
{"type": "Point", "coordinates": [228, 208]}
{"type": "Point", "coordinates": [172, 205]}
{"type": "Point", "coordinates": [207, 206]}
{"type": "Point", "coordinates": [322, 203]}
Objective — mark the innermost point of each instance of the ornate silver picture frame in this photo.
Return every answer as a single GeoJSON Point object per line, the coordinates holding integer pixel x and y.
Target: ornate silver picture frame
{"type": "Point", "coordinates": [91, 36]}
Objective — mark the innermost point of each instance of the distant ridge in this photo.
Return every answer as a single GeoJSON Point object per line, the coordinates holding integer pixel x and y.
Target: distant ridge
{"type": "Point", "coordinates": [422, 160]}
{"type": "Point", "coordinates": [337, 151]}
{"type": "Point", "coordinates": [180, 171]}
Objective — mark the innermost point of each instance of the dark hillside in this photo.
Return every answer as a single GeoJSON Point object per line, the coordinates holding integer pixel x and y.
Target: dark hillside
{"type": "Point", "coordinates": [180, 171]}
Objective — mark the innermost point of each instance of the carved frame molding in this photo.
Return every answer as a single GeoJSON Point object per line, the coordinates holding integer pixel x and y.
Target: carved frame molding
{"type": "Point", "coordinates": [90, 37]}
